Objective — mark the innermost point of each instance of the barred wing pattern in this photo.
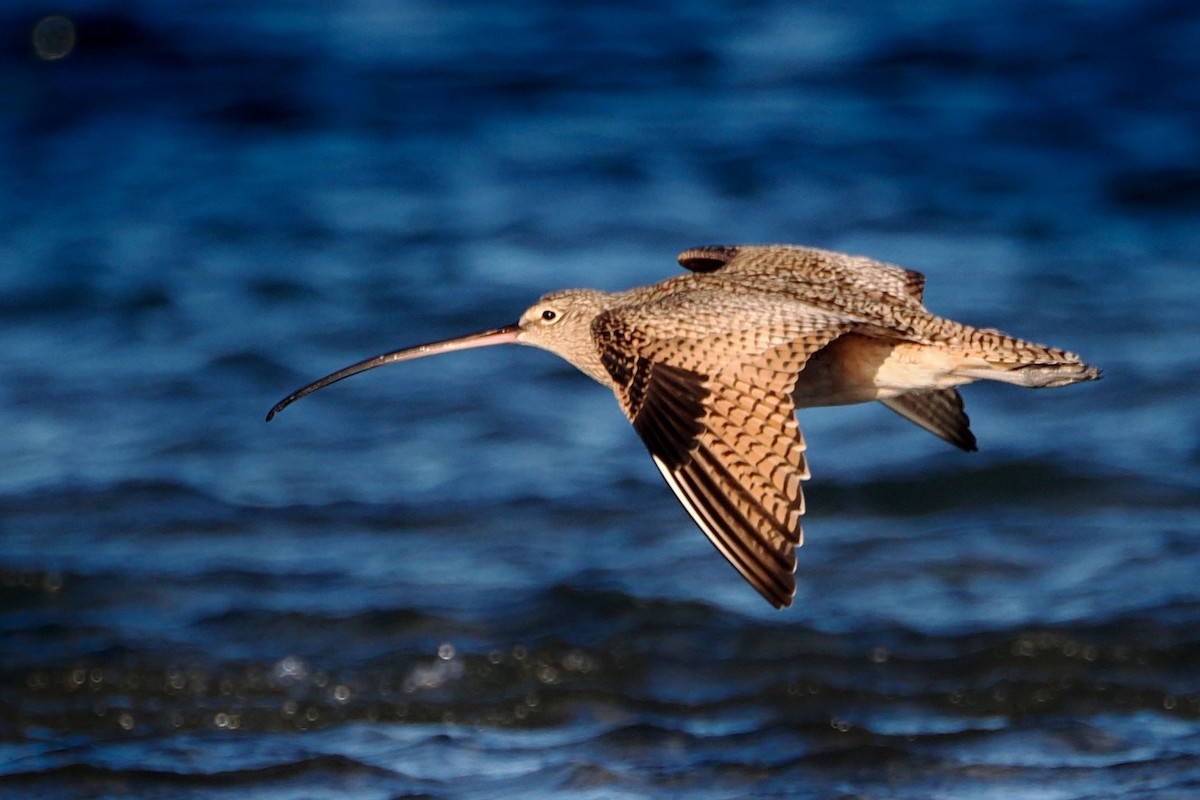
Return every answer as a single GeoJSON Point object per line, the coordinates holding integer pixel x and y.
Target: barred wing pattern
{"type": "Point", "coordinates": [855, 274]}
{"type": "Point", "coordinates": [727, 444]}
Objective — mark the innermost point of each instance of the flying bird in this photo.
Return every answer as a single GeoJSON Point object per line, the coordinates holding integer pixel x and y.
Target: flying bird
{"type": "Point", "coordinates": [711, 366]}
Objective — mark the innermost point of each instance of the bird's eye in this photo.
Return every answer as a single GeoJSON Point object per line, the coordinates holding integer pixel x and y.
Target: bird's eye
{"type": "Point", "coordinates": [549, 315]}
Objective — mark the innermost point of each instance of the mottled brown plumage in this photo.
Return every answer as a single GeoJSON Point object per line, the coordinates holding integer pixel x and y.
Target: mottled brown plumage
{"type": "Point", "coordinates": [710, 367]}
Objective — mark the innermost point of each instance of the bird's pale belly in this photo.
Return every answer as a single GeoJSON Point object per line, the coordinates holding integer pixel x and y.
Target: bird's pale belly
{"type": "Point", "coordinates": [859, 369]}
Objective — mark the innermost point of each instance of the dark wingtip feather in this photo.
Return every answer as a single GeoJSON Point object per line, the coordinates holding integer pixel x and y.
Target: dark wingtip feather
{"type": "Point", "coordinates": [939, 411]}
{"type": "Point", "coordinates": [708, 258]}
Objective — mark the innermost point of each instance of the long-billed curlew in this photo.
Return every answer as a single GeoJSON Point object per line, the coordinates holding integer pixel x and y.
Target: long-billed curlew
{"type": "Point", "coordinates": [711, 366]}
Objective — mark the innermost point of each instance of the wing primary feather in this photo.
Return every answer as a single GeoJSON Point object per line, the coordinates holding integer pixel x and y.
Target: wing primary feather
{"type": "Point", "coordinates": [668, 418]}
{"type": "Point", "coordinates": [666, 400]}
{"type": "Point", "coordinates": [654, 437]}
{"type": "Point", "coordinates": [728, 484]}
{"type": "Point", "coordinates": [702, 515]}
{"type": "Point", "coordinates": [768, 581]}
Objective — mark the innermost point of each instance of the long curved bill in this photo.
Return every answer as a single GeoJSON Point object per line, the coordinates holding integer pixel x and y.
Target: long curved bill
{"type": "Point", "coordinates": [506, 335]}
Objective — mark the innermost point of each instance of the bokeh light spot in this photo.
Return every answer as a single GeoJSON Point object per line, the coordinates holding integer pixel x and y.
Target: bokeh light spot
{"type": "Point", "coordinates": [53, 37]}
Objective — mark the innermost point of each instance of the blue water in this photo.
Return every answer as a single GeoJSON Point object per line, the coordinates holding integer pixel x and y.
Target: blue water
{"type": "Point", "coordinates": [462, 577]}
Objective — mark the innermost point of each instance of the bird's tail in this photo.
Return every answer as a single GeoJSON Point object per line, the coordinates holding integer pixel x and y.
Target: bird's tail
{"type": "Point", "coordinates": [991, 355]}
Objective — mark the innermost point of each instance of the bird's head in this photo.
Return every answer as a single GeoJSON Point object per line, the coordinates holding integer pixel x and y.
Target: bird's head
{"type": "Point", "coordinates": [561, 322]}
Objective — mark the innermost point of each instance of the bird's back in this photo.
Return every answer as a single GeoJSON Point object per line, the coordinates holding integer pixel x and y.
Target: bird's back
{"type": "Point", "coordinates": [878, 299]}
{"type": "Point", "coordinates": [772, 292]}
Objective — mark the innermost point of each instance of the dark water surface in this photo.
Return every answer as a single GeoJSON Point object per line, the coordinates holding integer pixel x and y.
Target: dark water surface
{"type": "Point", "coordinates": [463, 577]}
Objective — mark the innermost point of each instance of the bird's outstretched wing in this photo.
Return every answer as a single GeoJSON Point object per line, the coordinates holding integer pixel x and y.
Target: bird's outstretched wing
{"type": "Point", "coordinates": [726, 442]}
{"type": "Point", "coordinates": [849, 273]}
{"type": "Point", "coordinates": [939, 411]}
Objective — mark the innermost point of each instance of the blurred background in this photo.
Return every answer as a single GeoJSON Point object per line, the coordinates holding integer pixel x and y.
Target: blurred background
{"type": "Point", "coordinates": [462, 577]}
